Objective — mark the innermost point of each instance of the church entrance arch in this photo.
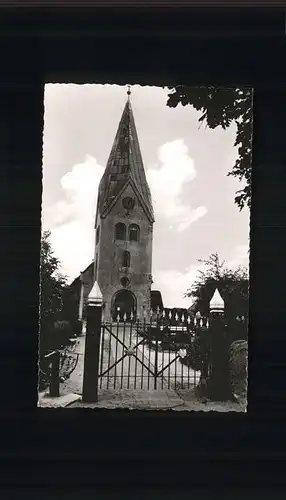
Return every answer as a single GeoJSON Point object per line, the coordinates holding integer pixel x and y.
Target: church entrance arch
{"type": "Point", "coordinates": [124, 302]}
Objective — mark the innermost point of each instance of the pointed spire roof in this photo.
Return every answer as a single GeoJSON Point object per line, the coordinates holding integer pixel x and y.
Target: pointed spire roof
{"type": "Point", "coordinates": [216, 302]}
{"type": "Point", "coordinates": [124, 165]}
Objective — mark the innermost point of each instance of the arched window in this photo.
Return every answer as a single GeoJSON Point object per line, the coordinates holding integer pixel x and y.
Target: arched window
{"type": "Point", "coordinates": [120, 231]}
{"type": "Point", "coordinates": [126, 259]}
{"type": "Point", "coordinates": [134, 232]}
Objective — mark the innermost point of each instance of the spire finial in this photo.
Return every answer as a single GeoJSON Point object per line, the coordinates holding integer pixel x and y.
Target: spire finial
{"type": "Point", "coordinates": [128, 91]}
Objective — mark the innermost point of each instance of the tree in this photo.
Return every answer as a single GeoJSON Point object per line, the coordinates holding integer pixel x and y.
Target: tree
{"type": "Point", "coordinates": [222, 107]}
{"type": "Point", "coordinates": [52, 286]}
{"type": "Point", "coordinates": [233, 287]}
{"type": "Point", "coordinates": [58, 315]}
{"type": "Point", "coordinates": [71, 310]}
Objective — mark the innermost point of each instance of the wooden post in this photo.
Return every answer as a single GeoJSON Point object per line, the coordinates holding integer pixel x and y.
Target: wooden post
{"type": "Point", "coordinates": [55, 375]}
{"type": "Point", "coordinates": [219, 383]}
{"type": "Point", "coordinates": [92, 345]}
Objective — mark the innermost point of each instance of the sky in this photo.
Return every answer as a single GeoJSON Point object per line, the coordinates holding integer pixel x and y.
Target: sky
{"type": "Point", "coordinates": [186, 166]}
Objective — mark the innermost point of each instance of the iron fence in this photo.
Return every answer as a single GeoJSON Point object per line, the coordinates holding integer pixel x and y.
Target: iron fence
{"type": "Point", "coordinates": [148, 355]}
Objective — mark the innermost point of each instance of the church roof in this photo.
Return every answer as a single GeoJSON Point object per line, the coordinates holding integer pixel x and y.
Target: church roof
{"type": "Point", "coordinates": [156, 300]}
{"type": "Point", "coordinates": [77, 280]}
{"type": "Point", "coordinates": [124, 164]}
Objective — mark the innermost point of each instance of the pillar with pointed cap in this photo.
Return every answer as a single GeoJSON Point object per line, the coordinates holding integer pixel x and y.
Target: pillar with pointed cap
{"type": "Point", "coordinates": [124, 226]}
{"type": "Point", "coordinates": [217, 303]}
{"type": "Point", "coordinates": [92, 345]}
{"type": "Point", "coordinates": [218, 384]}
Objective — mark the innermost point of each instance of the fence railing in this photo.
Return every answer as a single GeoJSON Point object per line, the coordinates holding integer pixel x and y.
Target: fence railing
{"type": "Point", "coordinates": [161, 326]}
{"type": "Point", "coordinates": [137, 355]}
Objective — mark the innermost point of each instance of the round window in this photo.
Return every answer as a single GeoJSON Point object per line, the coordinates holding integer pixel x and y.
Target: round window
{"type": "Point", "coordinates": [124, 281]}
{"type": "Point", "coordinates": [128, 203]}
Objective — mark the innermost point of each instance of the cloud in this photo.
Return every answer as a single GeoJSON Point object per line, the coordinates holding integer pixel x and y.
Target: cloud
{"type": "Point", "coordinates": [174, 284]}
{"type": "Point", "coordinates": [166, 184]}
{"type": "Point", "coordinates": [80, 187]}
{"type": "Point", "coordinates": [71, 220]}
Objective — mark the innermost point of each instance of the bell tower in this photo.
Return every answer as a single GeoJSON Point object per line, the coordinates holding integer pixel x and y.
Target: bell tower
{"type": "Point", "coordinates": [124, 227]}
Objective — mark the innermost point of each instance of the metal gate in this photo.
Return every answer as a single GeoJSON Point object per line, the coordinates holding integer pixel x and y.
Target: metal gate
{"type": "Point", "coordinates": [150, 356]}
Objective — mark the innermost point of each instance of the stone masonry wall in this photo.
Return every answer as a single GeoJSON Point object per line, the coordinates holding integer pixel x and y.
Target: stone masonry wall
{"type": "Point", "coordinates": [109, 254]}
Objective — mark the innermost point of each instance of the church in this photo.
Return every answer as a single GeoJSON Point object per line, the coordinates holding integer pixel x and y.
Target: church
{"type": "Point", "coordinates": [124, 220]}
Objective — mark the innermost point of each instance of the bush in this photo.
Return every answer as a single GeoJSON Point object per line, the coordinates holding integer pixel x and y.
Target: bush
{"type": "Point", "coordinates": [62, 332]}
{"type": "Point", "coordinates": [76, 327]}
{"type": "Point", "coordinates": [198, 349]}
{"type": "Point", "coordinates": [193, 359]}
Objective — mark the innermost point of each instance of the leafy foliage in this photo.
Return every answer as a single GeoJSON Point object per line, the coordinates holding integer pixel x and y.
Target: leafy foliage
{"type": "Point", "coordinates": [222, 107]}
{"type": "Point", "coordinates": [58, 318]}
{"type": "Point", "coordinates": [59, 335]}
{"type": "Point", "coordinates": [233, 287]}
{"type": "Point", "coordinates": [70, 310]}
{"type": "Point", "coordinates": [52, 284]}
{"type": "Point", "coordinates": [198, 350]}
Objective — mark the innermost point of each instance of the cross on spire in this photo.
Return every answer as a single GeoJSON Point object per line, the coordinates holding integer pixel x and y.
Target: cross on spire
{"type": "Point", "coordinates": [128, 91]}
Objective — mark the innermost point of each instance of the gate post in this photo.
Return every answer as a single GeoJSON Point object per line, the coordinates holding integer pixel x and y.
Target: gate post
{"type": "Point", "coordinates": [92, 345]}
{"type": "Point", "coordinates": [219, 382]}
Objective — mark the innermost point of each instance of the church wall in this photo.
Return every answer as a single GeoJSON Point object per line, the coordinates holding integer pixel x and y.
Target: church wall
{"type": "Point", "coordinates": [110, 253]}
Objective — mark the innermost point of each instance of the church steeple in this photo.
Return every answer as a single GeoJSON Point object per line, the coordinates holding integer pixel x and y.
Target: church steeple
{"type": "Point", "coordinates": [124, 165]}
{"type": "Point", "coordinates": [124, 226]}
